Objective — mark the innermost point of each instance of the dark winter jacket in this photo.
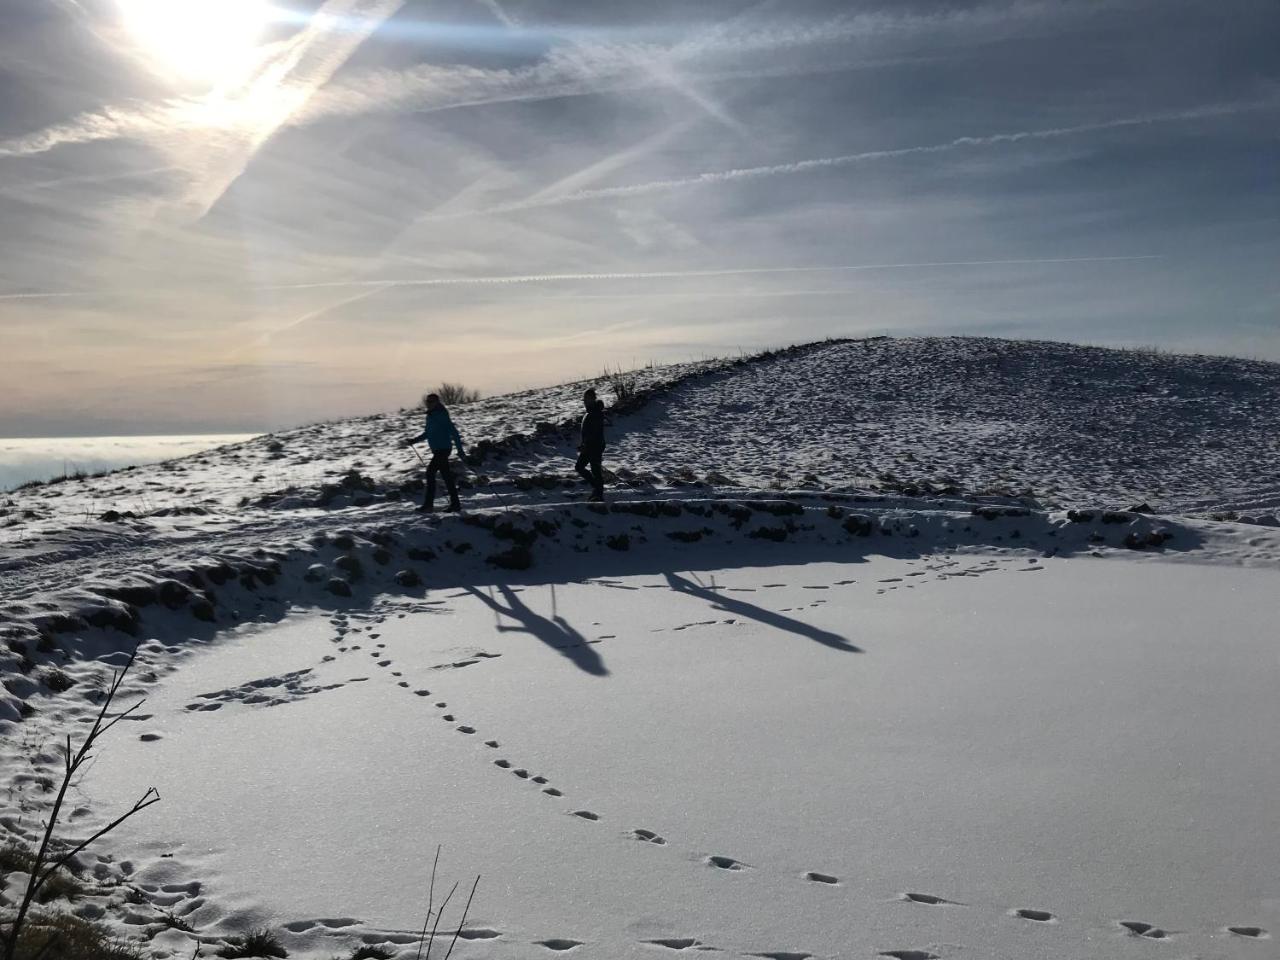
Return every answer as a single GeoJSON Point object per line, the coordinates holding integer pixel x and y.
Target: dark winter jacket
{"type": "Point", "coordinates": [439, 432]}
{"type": "Point", "coordinates": [593, 427]}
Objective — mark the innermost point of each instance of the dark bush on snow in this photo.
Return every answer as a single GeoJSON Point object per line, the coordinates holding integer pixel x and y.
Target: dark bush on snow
{"type": "Point", "coordinates": [780, 508]}
{"type": "Point", "coordinates": [371, 952]}
{"type": "Point", "coordinates": [350, 565]}
{"type": "Point", "coordinates": [689, 536]}
{"type": "Point", "coordinates": [995, 513]}
{"type": "Point", "coordinates": [519, 557]}
{"type": "Point", "coordinates": [858, 525]}
{"type": "Point", "coordinates": [453, 394]}
{"type": "Point", "coordinates": [62, 935]}
{"type": "Point", "coordinates": [408, 578]}
{"type": "Point", "coordinates": [256, 943]}
{"type": "Point", "coordinates": [57, 681]}
{"type": "Point", "coordinates": [521, 536]}
{"type": "Point", "coordinates": [618, 541]}
{"type": "Point", "coordinates": [736, 512]}
{"type": "Point", "coordinates": [624, 386]}
{"type": "Point", "coordinates": [776, 534]}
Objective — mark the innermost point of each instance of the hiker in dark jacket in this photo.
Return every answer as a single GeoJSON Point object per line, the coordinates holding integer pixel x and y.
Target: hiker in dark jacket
{"type": "Point", "coordinates": [591, 447]}
{"type": "Point", "coordinates": [441, 435]}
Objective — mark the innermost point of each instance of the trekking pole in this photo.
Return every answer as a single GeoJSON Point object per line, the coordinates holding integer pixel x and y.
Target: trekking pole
{"type": "Point", "coordinates": [467, 467]}
{"type": "Point", "coordinates": [418, 455]}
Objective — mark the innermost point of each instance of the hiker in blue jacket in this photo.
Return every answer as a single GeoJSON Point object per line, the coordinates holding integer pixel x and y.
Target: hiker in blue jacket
{"type": "Point", "coordinates": [441, 435]}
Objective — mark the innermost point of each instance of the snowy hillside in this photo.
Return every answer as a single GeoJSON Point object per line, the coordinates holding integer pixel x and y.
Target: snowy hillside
{"type": "Point", "coordinates": [910, 648]}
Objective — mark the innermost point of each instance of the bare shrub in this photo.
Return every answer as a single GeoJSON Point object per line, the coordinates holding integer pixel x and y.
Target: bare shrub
{"type": "Point", "coordinates": [453, 394]}
{"type": "Point", "coordinates": [256, 943]}
{"type": "Point", "coordinates": [48, 862]}
{"type": "Point", "coordinates": [623, 384]}
{"type": "Point", "coordinates": [57, 935]}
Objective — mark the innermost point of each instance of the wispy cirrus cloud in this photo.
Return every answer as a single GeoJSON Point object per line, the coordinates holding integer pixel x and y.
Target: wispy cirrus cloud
{"type": "Point", "coordinates": [550, 198]}
{"type": "Point", "coordinates": [235, 121]}
{"type": "Point", "coordinates": [299, 76]}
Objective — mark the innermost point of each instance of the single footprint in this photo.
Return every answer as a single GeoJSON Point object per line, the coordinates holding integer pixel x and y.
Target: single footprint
{"type": "Point", "coordinates": [522, 773]}
{"type": "Point", "coordinates": [783, 955]}
{"type": "Point", "coordinates": [675, 943]}
{"type": "Point", "coordinates": [448, 718]}
{"type": "Point", "coordinates": [465, 729]}
{"type": "Point", "coordinates": [821, 877]}
{"type": "Point", "coordinates": [1140, 929]}
{"type": "Point", "coordinates": [928, 898]}
{"type": "Point", "coordinates": [909, 954]}
{"type": "Point", "coordinates": [149, 737]}
{"type": "Point", "coordinates": [423, 693]}
{"type": "Point", "coordinates": [479, 933]}
{"type": "Point", "coordinates": [648, 836]}
{"type": "Point", "coordinates": [1253, 933]}
{"type": "Point", "coordinates": [726, 863]}
{"type": "Point", "coordinates": [1040, 916]}
{"type": "Point", "coordinates": [504, 764]}
{"type": "Point", "coordinates": [441, 704]}
{"type": "Point", "coordinates": [559, 944]}
{"type": "Point", "coordinates": [491, 743]}
{"type": "Point", "coordinates": [539, 779]}
{"type": "Point", "coordinates": [586, 815]}
{"type": "Point", "coordinates": [403, 683]}
{"type": "Point", "coordinates": [552, 792]}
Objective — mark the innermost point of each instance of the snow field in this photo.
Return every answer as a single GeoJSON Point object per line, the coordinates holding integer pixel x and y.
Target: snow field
{"type": "Point", "coordinates": [997, 746]}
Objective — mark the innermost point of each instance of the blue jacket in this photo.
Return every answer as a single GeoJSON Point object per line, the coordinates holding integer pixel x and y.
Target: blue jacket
{"type": "Point", "coordinates": [439, 432]}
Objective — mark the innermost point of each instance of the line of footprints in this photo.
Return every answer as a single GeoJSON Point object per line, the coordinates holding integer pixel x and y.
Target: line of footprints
{"type": "Point", "coordinates": [1135, 928]}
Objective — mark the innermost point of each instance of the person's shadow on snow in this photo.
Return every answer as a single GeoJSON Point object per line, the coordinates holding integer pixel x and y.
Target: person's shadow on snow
{"type": "Point", "coordinates": [555, 631]}
{"type": "Point", "coordinates": [770, 619]}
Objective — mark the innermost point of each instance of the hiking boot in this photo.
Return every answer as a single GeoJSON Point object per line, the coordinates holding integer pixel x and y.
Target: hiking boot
{"type": "Point", "coordinates": [425, 508]}
{"type": "Point", "coordinates": [454, 507]}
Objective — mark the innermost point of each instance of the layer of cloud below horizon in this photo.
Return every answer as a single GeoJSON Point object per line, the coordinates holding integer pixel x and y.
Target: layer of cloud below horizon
{"type": "Point", "coordinates": [515, 193]}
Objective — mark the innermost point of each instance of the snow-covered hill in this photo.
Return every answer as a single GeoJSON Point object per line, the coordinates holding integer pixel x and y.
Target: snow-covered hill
{"type": "Point", "coordinates": [868, 652]}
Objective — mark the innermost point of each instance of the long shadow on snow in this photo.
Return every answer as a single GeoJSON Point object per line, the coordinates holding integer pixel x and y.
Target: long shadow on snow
{"type": "Point", "coordinates": [768, 617]}
{"type": "Point", "coordinates": [556, 632]}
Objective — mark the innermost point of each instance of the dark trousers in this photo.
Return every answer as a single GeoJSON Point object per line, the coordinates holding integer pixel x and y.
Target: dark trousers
{"type": "Point", "coordinates": [591, 457]}
{"type": "Point", "coordinates": [440, 463]}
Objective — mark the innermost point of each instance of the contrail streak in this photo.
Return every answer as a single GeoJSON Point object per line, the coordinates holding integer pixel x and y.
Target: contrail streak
{"type": "Point", "coordinates": [823, 163]}
{"type": "Point", "coordinates": [374, 286]}
{"type": "Point", "coordinates": [685, 274]}
{"type": "Point", "coordinates": [45, 296]}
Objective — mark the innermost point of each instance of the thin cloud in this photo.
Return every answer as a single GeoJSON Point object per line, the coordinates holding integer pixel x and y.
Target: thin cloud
{"type": "Point", "coordinates": [684, 274]}
{"type": "Point", "coordinates": [376, 286]}
{"type": "Point", "coordinates": [576, 69]}
{"type": "Point", "coordinates": [825, 163]}
{"type": "Point", "coordinates": [233, 123]}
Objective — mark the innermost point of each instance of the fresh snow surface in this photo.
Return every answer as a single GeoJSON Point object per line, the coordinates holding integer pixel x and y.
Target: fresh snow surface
{"type": "Point", "coordinates": [868, 635]}
{"type": "Point", "coordinates": [1077, 737]}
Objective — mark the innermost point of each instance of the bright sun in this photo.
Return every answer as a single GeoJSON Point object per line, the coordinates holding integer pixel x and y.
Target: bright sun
{"type": "Point", "coordinates": [207, 41]}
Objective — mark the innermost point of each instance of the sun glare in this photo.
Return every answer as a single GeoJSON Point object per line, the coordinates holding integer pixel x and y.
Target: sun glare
{"type": "Point", "coordinates": [200, 40]}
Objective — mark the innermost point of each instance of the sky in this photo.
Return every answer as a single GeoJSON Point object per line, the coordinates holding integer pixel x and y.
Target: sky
{"type": "Point", "coordinates": [235, 215]}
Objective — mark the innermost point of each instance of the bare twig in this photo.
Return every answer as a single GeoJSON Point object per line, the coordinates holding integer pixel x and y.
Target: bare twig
{"type": "Point", "coordinates": [436, 925]}
{"type": "Point", "coordinates": [463, 922]}
{"type": "Point", "coordinates": [431, 896]}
